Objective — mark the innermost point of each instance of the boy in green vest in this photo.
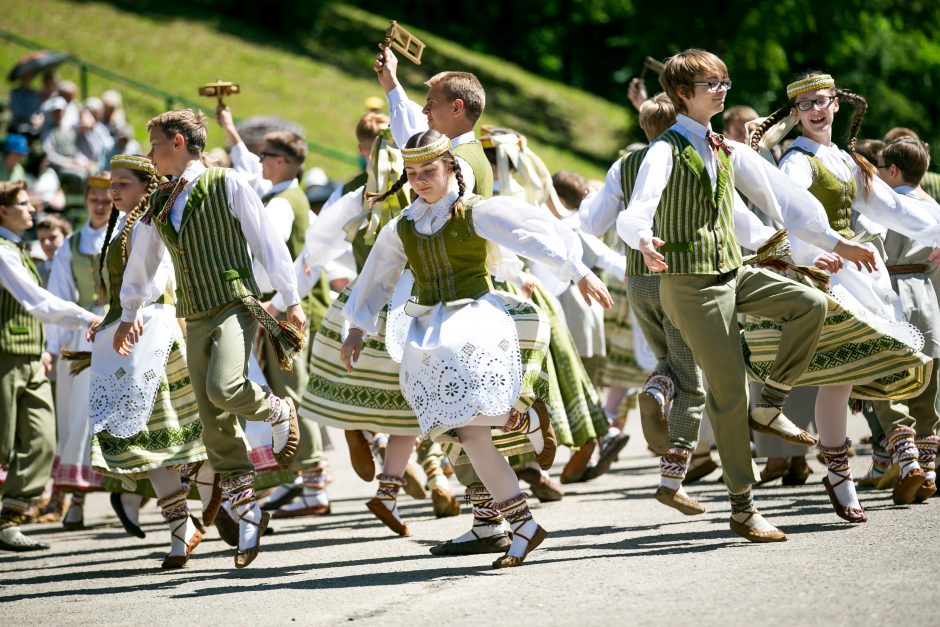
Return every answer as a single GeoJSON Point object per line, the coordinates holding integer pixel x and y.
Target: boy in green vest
{"type": "Point", "coordinates": [680, 218]}
{"type": "Point", "coordinates": [208, 219]}
{"type": "Point", "coordinates": [455, 102]}
{"type": "Point", "coordinates": [27, 419]}
{"type": "Point", "coordinates": [279, 165]}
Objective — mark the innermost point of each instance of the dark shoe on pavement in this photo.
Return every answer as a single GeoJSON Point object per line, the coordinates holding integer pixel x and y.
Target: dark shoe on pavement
{"type": "Point", "coordinates": [499, 543]}
{"type": "Point", "coordinates": [541, 486]}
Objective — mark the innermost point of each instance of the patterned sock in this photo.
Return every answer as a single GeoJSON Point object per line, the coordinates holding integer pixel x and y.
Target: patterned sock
{"type": "Point", "coordinates": [389, 485]}
{"type": "Point", "coordinates": [661, 386]}
{"type": "Point", "coordinates": [487, 519]}
{"type": "Point", "coordinates": [744, 511]}
{"type": "Point", "coordinates": [525, 422]}
{"type": "Point", "coordinates": [279, 419]}
{"type": "Point", "coordinates": [176, 513]}
{"type": "Point", "coordinates": [927, 449]}
{"type": "Point", "coordinates": [840, 473]}
{"type": "Point", "coordinates": [880, 460]}
{"type": "Point", "coordinates": [672, 468]}
{"type": "Point", "coordinates": [243, 506]}
{"type": "Point", "coordinates": [903, 449]}
{"type": "Point", "coordinates": [517, 513]}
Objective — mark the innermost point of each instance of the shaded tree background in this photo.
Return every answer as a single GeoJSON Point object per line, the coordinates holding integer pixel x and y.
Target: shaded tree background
{"type": "Point", "coordinates": [886, 50]}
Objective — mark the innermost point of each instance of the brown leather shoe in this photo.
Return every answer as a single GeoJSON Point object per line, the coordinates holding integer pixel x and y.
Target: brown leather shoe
{"type": "Point", "coordinates": [499, 543]}
{"type": "Point", "coordinates": [414, 483]}
{"type": "Point", "coordinates": [377, 507]}
{"type": "Point", "coordinates": [775, 468]}
{"type": "Point", "coordinates": [547, 457]}
{"type": "Point", "coordinates": [685, 504]}
{"type": "Point", "coordinates": [800, 439]}
{"type": "Point", "coordinates": [574, 470]}
{"type": "Point", "coordinates": [286, 455]}
{"type": "Point", "coordinates": [654, 423]}
{"type": "Point", "coordinates": [609, 455]}
{"type": "Point", "coordinates": [700, 468]}
{"type": "Point", "coordinates": [752, 535]}
{"type": "Point", "coordinates": [544, 489]}
{"type": "Point", "coordinates": [906, 490]}
{"type": "Point", "coordinates": [178, 561]}
{"type": "Point", "coordinates": [246, 557]}
{"type": "Point", "coordinates": [444, 502]}
{"type": "Point", "coordinates": [360, 454]}
{"type": "Point", "coordinates": [925, 491]}
{"type": "Point", "coordinates": [851, 514]}
{"type": "Point", "coordinates": [307, 510]}
{"type": "Point", "coordinates": [508, 561]}
{"type": "Point", "coordinates": [799, 472]}
{"type": "Point", "coordinates": [890, 478]}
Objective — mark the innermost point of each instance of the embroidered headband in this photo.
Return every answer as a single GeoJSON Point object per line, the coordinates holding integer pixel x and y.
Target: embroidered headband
{"type": "Point", "coordinates": [426, 153]}
{"type": "Point", "coordinates": [810, 83]}
{"type": "Point", "coordinates": [100, 180]}
{"type": "Point", "coordinates": [133, 162]}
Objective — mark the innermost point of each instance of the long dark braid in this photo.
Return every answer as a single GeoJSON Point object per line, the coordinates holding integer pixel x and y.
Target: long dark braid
{"type": "Point", "coordinates": [112, 220]}
{"type": "Point", "coordinates": [457, 207]}
{"type": "Point", "coordinates": [776, 116]}
{"type": "Point", "coordinates": [861, 107]}
{"type": "Point", "coordinates": [374, 199]}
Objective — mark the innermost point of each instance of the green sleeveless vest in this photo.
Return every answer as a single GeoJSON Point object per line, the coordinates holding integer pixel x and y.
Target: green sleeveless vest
{"type": "Point", "coordinates": [85, 274]}
{"type": "Point", "coordinates": [114, 264]}
{"type": "Point", "coordinates": [472, 153]}
{"type": "Point", "coordinates": [450, 264]}
{"type": "Point", "coordinates": [20, 333]}
{"type": "Point", "coordinates": [357, 182]}
{"type": "Point", "coordinates": [629, 167]}
{"type": "Point", "coordinates": [210, 253]}
{"type": "Point", "coordinates": [696, 222]}
{"type": "Point", "coordinates": [835, 195]}
{"type": "Point", "coordinates": [317, 302]}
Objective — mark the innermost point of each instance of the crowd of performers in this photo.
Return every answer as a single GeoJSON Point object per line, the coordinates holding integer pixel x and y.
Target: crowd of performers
{"type": "Point", "coordinates": [201, 349]}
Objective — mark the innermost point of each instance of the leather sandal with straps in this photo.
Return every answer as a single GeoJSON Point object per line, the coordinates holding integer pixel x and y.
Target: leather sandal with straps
{"type": "Point", "coordinates": [521, 422]}
{"type": "Point", "coordinates": [511, 561]}
{"type": "Point", "coordinates": [851, 514]}
{"type": "Point", "coordinates": [286, 455]}
{"type": "Point", "coordinates": [211, 509]}
{"type": "Point", "coordinates": [753, 535]}
{"type": "Point", "coordinates": [802, 438]}
{"type": "Point", "coordinates": [247, 556]}
{"type": "Point", "coordinates": [178, 561]}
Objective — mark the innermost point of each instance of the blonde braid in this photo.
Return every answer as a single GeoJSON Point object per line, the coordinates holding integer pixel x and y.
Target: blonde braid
{"type": "Point", "coordinates": [135, 214]}
{"type": "Point", "coordinates": [861, 107]}
{"type": "Point", "coordinates": [775, 117]}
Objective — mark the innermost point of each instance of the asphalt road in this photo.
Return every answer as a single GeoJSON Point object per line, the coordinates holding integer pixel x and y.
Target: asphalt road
{"type": "Point", "coordinates": [613, 555]}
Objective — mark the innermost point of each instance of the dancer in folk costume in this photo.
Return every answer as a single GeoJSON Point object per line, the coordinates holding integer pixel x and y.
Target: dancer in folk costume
{"type": "Point", "coordinates": [471, 357]}
{"type": "Point", "coordinates": [27, 422]}
{"type": "Point", "coordinates": [885, 362]}
{"type": "Point", "coordinates": [901, 164]}
{"type": "Point", "coordinates": [143, 410]}
{"type": "Point", "coordinates": [453, 104]}
{"type": "Point", "coordinates": [673, 399]}
{"type": "Point", "coordinates": [368, 399]}
{"type": "Point", "coordinates": [680, 218]}
{"type": "Point", "coordinates": [74, 277]}
{"type": "Point", "coordinates": [206, 219]}
{"type": "Point", "coordinates": [274, 174]}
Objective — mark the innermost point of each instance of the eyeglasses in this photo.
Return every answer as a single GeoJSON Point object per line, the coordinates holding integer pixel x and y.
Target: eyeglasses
{"type": "Point", "coordinates": [264, 155]}
{"type": "Point", "coordinates": [822, 102]}
{"type": "Point", "coordinates": [883, 167]}
{"type": "Point", "coordinates": [715, 85]}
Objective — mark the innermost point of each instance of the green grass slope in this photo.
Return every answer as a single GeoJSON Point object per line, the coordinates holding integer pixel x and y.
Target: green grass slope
{"type": "Point", "coordinates": [320, 83]}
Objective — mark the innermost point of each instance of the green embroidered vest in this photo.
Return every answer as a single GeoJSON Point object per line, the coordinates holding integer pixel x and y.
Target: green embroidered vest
{"type": "Point", "coordinates": [85, 274]}
{"type": "Point", "coordinates": [695, 221]}
{"type": "Point", "coordinates": [450, 264]}
{"type": "Point", "coordinates": [20, 333]}
{"type": "Point", "coordinates": [835, 195]}
{"type": "Point", "coordinates": [472, 153]}
{"type": "Point", "coordinates": [931, 184]}
{"type": "Point", "coordinates": [114, 263]}
{"type": "Point", "coordinates": [210, 253]}
{"type": "Point", "coordinates": [629, 167]}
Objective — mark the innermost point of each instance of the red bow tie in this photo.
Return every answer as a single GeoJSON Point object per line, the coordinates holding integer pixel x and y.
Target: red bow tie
{"type": "Point", "coordinates": [717, 142]}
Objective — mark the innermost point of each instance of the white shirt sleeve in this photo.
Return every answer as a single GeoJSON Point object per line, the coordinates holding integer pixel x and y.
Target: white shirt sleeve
{"type": "Point", "coordinates": [265, 242]}
{"type": "Point", "coordinates": [147, 257]}
{"type": "Point", "coordinates": [281, 215]}
{"type": "Point", "coordinates": [406, 116]}
{"type": "Point", "coordinates": [598, 210]}
{"type": "Point", "coordinates": [38, 302]}
{"type": "Point", "coordinates": [636, 221]}
{"type": "Point", "coordinates": [377, 281]}
{"type": "Point", "coordinates": [903, 214]}
{"type": "Point", "coordinates": [248, 164]}
{"type": "Point", "coordinates": [782, 197]}
{"type": "Point", "coordinates": [531, 233]}
{"type": "Point", "coordinates": [605, 257]}
{"type": "Point", "coordinates": [748, 228]}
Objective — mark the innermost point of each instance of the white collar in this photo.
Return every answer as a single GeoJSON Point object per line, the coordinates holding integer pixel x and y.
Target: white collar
{"type": "Point", "coordinates": [192, 171]}
{"type": "Point", "coordinates": [419, 208]}
{"type": "Point", "coordinates": [283, 185]}
{"type": "Point", "coordinates": [10, 235]}
{"type": "Point", "coordinates": [692, 126]}
{"type": "Point", "coordinates": [462, 139]}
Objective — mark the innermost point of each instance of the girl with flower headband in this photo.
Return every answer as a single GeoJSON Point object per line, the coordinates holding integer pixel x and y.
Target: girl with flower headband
{"type": "Point", "coordinates": [142, 408]}
{"type": "Point", "coordinates": [844, 182]}
{"type": "Point", "coordinates": [471, 357]}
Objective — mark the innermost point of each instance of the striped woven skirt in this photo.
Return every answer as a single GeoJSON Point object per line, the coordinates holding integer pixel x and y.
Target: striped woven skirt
{"type": "Point", "coordinates": [172, 433]}
{"type": "Point", "coordinates": [621, 368]}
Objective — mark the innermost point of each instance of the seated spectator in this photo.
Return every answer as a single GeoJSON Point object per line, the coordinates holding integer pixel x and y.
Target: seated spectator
{"type": "Point", "coordinates": [15, 149]}
{"type": "Point", "coordinates": [24, 108]}
{"type": "Point", "coordinates": [42, 183]}
{"type": "Point", "coordinates": [93, 138]}
{"type": "Point", "coordinates": [51, 232]}
{"type": "Point", "coordinates": [61, 145]}
{"type": "Point", "coordinates": [68, 90]}
{"type": "Point", "coordinates": [112, 114]}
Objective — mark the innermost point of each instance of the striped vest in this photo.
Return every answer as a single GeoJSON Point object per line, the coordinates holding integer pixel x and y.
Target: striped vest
{"type": "Point", "coordinates": [835, 195]}
{"type": "Point", "coordinates": [20, 333]}
{"type": "Point", "coordinates": [450, 264]}
{"type": "Point", "coordinates": [85, 274]}
{"type": "Point", "coordinates": [472, 153]}
{"type": "Point", "coordinates": [696, 222]}
{"type": "Point", "coordinates": [210, 253]}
